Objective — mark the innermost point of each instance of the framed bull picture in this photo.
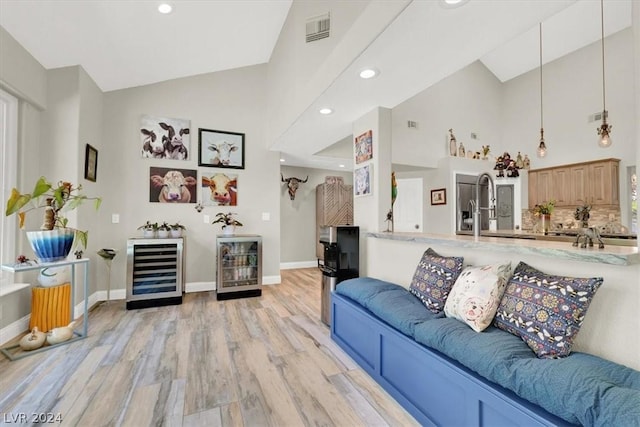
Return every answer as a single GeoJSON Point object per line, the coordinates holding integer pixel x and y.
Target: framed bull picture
{"type": "Point", "coordinates": [165, 138]}
{"type": "Point", "coordinates": [220, 149]}
{"type": "Point", "coordinates": [169, 185]}
{"type": "Point", "coordinates": [218, 189]}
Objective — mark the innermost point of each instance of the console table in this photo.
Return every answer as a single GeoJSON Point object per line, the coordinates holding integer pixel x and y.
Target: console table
{"type": "Point", "coordinates": [19, 268]}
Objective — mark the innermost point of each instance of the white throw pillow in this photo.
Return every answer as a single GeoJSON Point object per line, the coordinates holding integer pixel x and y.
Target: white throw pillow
{"type": "Point", "coordinates": [476, 294]}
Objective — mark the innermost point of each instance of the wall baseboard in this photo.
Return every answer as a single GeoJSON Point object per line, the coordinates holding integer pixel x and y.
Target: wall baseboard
{"type": "Point", "coordinates": [271, 280]}
{"type": "Point", "coordinates": [298, 264]}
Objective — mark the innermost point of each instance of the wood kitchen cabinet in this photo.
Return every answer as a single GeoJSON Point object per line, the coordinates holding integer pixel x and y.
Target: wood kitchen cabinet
{"type": "Point", "coordinates": [590, 183]}
{"type": "Point", "coordinates": [540, 187]}
{"type": "Point", "coordinates": [561, 186]}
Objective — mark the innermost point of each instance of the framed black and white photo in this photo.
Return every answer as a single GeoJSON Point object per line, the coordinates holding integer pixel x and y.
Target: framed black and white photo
{"type": "Point", "coordinates": [90, 163]}
{"type": "Point", "coordinates": [220, 149]}
{"type": "Point", "coordinates": [439, 196]}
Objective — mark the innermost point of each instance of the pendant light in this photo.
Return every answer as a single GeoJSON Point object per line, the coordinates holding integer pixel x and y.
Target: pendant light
{"type": "Point", "coordinates": [604, 131]}
{"type": "Point", "coordinates": [542, 148]}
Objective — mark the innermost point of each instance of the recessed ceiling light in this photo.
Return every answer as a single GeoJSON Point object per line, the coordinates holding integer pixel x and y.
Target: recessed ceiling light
{"type": "Point", "coordinates": [368, 73]}
{"type": "Point", "coordinates": [282, 160]}
{"type": "Point", "coordinates": [165, 8]}
{"type": "Point", "coordinates": [449, 4]}
{"type": "Point", "coordinates": [326, 111]}
{"type": "Point", "coordinates": [341, 166]}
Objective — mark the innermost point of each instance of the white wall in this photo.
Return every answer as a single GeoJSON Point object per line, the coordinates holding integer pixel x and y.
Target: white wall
{"type": "Point", "coordinates": [20, 73]}
{"type": "Point", "coordinates": [469, 100]}
{"type": "Point", "coordinates": [231, 100]}
{"type": "Point", "coordinates": [298, 217]}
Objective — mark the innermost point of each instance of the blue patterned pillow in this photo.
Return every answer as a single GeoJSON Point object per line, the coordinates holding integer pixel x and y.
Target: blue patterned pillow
{"type": "Point", "coordinates": [546, 311]}
{"type": "Point", "coordinates": [434, 278]}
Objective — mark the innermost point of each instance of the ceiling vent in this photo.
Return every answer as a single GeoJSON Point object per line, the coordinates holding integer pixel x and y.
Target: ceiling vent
{"type": "Point", "coordinates": [318, 27]}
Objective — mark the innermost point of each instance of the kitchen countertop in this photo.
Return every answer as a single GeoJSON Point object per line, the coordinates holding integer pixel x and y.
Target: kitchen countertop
{"type": "Point", "coordinates": [526, 243]}
{"type": "Point", "coordinates": [557, 236]}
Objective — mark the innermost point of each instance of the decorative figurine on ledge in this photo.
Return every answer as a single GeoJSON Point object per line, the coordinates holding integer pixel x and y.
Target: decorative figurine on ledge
{"type": "Point", "coordinates": [453, 144]}
{"type": "Point", "coordinates": [506, 163]}
{"type": "Point", "coordinates": [587, 234]}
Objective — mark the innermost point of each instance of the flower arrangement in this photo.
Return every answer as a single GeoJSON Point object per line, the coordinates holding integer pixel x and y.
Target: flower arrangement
{"type": "Point", "coordinates": [544, 208]}
{"type": "Point", "coordinates": [227, 220]}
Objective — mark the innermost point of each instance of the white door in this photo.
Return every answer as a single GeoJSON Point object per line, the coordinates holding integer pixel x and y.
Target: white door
{"type": "Point", "coordinates": [407, 210]}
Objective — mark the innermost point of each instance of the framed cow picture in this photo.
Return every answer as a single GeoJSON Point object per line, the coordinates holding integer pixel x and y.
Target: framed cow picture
{"type": "Point", "coordinates": [220, 149]}
{"type": "Point", "coordinates": [218, 189]}
{"type": "Point", "coordinates": [165, 138]}
{"type": "Point", "coordinates": [168, 185]}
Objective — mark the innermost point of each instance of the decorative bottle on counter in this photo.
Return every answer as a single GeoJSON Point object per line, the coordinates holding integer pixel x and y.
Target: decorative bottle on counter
{"type": "Point", "coordinates": [461, 151]}
{"type": "Point", "coordinates": [453, 144]}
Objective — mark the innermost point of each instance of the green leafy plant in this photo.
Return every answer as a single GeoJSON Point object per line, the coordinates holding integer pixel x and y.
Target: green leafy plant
{"type": "Point", "coordinates": [226, 219]}
{"type": "Point", "coordinates": [544, 208]}
{"type": "Point", "coordinates": [149, 226]}
{"type": "Point", "coordinates": [164, 226]}
{"type": "Point", "coordinates": [55, 200]}
{"type": "Point", "coordinates": [178, 226]}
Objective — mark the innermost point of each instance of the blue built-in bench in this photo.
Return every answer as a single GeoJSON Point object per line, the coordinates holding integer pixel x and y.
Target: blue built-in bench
{"type": "Point", "coordinates": [446, 374]}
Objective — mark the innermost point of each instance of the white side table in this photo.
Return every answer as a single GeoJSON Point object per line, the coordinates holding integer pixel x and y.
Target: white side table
{"type": "Point", "coordinates": [18, 268]}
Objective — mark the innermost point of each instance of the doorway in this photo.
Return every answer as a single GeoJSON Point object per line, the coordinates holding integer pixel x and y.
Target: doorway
{"type": "Point", "coordinates": [408, 208]}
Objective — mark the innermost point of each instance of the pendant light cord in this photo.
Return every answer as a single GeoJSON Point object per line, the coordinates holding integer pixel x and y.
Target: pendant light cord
{"type": "Point", "coordinates": [604, 107]}
{"type": "Point", "coordinates": [541, 114]}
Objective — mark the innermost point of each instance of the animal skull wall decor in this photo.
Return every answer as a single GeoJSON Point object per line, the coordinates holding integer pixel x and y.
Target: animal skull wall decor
{"type": "Point", "coordinates": [292, 185]}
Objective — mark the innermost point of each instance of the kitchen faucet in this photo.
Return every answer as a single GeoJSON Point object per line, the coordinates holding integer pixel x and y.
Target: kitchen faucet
{"type": "Point", "coordinates": [476, 205]}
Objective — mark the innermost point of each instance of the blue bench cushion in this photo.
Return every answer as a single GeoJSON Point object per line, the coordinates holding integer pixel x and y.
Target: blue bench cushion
{"type": "Point", "coordinates": [580, 388]}
{"type": "Point", "coordinates": [489, 353]}
{"type": "Point", "coordinates": [391, 303]}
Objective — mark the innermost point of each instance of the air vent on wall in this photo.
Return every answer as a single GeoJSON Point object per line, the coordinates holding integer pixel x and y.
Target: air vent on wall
{"type": "Point", "coordinates": [596, 117]}
{"type": "Point", "coordinates": [318, 27]}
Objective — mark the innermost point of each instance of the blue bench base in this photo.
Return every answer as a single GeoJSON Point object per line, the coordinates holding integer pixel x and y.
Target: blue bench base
{"type": "Point", "coordinates": [433, 388]}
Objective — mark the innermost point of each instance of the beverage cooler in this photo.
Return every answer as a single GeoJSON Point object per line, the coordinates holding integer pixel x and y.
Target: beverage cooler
{"type": "Point", "coordinates": [239, 265]}
{"type": "Point", "coordinates": [341, 261]}
{"type": "Point", "coordinates": [154, 272]}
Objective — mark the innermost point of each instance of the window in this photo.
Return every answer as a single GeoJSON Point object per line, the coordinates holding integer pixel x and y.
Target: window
{"type": "Point", "coordinates": [8, 175]}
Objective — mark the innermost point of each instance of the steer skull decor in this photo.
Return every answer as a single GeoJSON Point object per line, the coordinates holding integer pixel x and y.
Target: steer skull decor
{"type": "Point", "coordinates": [292, 185]}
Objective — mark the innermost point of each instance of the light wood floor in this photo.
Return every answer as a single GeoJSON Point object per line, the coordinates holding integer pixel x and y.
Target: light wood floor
{"type": "Point", "coordinates": [265, 361]}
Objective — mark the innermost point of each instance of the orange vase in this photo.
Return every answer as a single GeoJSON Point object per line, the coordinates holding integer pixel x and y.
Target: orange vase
{"type": "Point", "coordinates": [50, 307]}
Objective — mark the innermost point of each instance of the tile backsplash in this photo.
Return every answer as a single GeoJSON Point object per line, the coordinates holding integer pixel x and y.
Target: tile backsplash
{"type": "Point", "coordinates": [600, 216]}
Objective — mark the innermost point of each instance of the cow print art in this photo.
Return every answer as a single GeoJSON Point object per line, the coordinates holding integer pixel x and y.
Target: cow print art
{"type": "Point", "coordinates": [167, 185]}
{"type": "Point", "coordinates": [164, 138]}
{"type": "Point", "coordinates": [220, 149]}
{"type": "Point", "coordinates": [219, 189]}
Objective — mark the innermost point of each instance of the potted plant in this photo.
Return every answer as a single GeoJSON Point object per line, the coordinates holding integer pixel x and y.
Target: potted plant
{"type": "Point", "coordinates": [163, 230]}
{"type": "Point", "coordinates": [177, 229]}
{"type": "Point", "coordinates": [229, 223]}
{"type": "Point", "coordinates": [56, 239]}
{"type": "Point", "coordinates": [149, 229]}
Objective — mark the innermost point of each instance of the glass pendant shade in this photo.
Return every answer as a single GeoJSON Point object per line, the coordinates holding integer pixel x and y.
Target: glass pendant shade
{"type": "Point", "coordinates": [542, 148]}
{"type": "Point", "coordinates": [604, 133]}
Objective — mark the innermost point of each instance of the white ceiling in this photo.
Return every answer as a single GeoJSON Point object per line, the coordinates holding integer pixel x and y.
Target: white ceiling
{"type": "Point", "coordinates": [129, 43]}
{"type": "Point", "coordinates": [126, 44]}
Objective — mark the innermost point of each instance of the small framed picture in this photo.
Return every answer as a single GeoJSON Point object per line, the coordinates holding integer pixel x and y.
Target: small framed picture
{"type": "Point", "coordinates": [90, 163]}
{"type": "Point", "coordinates": [220, 149]}
{"type": "Point", "coordinates": [364, 147]}
{"type": "Point", "coordinates": [362, 179]}
{"type": "Point", "coordinates": [439, 196]}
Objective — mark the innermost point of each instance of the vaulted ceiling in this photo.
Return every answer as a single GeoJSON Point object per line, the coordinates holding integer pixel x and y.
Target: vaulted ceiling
{"type": "Point", "coordinates": [126, 44]}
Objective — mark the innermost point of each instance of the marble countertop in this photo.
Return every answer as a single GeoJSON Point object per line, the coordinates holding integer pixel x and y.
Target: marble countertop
{"type": "Point", "coordinates": [617, 255]}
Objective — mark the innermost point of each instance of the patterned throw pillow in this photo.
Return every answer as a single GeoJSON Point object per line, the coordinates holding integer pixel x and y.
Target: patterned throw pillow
{"type": "Point", "coordinates": [545, 311]}
{"type": "Point", "coordinates": [476, 294]}
{"type": "Point", "coordinates": [433, 279]}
